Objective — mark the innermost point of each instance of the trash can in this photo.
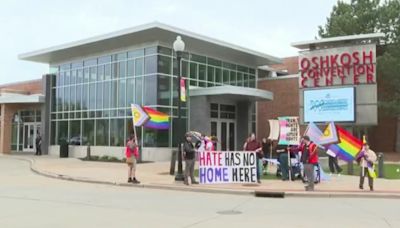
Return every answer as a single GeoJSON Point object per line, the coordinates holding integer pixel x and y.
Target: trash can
{"type": "Point", "coordinates": [63, 148]}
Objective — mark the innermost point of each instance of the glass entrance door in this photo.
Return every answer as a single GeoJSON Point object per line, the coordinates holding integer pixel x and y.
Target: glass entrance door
{"type": "Point", "coordinates": [29, 136]}
{"type": "Point", "coordinates": [225, 132]}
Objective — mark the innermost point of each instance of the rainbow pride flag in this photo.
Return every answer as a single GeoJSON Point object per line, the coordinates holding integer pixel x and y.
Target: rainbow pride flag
{"type": "Point", "coordinates": [157, 120]}
{"type": "Point", "coordinates": [348, 147]}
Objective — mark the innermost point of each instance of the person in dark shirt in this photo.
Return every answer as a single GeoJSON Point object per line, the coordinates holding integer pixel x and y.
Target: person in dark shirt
{"type": "Point", "coordinates": [189, 154]}
{"type": "Point", "coordinates": [38, 142]}
{"type": "Point", "coordinates": [266, 148]}
{"type": "Point", "coordinates": [283, 160]}
{"type": "Point", "coordinates": [254, 145]}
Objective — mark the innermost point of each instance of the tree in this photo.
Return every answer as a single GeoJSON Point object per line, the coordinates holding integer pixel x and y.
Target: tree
{"type": "Point", "coordinates": [370, 16]}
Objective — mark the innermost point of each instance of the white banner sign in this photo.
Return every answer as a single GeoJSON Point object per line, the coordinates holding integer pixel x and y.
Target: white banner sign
{"type": "Point", "coordinates": [224, 167]}
{"type": "Point", "coordinates": [273, 129]}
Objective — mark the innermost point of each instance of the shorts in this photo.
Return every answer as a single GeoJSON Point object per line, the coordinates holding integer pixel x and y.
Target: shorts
{"type": "Point", "coordinates": [131, 162]}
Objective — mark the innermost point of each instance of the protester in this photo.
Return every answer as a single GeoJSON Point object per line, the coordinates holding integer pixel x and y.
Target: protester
{"type": "Point", "coordinates": [309, 158]}
{"type": "Point", "coordinates": [283, 160]}
{"type": "Point", "coordinates": [248, 139]}
{"type": "Point", "coordinates": [254, 145]}
{"type": "Point", "coordinates": [132, 153]}
{"type": "Point", "coordinates": [214, 141]}
{"type": "Point", "coordinates": [189, 154]}
{"type": "Point", "coordinates": [201, 144]}
{"type": "Point", "coordinates": [266, 149]}
{"type": "Point", "coordinates": [333, 164]}
{"type": "Point", "coordinates": [366, 158]}
{"type": "Point", "coordinates": [38, 142]}
{"type": "Point", "coordinates": [210, 143]}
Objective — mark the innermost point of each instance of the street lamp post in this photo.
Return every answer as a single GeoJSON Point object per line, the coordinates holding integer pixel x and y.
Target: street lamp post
{"type": "Point", "coordinates": [179, 46]}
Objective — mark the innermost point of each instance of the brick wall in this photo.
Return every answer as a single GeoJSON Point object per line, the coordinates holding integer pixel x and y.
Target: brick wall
{"type": "Point", "coordinates": [382, 138]}
{"type": "Point", "coordinates": [285, 103]}
{"type": "Point", "coordinates": [28, 87]}
{"type": "Point", "coordinates": [290, 64]}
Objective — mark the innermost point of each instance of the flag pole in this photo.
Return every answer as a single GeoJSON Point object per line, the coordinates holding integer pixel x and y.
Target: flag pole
{"type": "Point", "coordinates": [290, 166]}
{"type": "Point", "coordinates": [134, 127]}
{"type": "Point", "coordinates": [270, 155]}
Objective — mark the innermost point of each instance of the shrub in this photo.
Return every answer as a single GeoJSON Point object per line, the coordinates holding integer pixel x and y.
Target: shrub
{"type": "Point", "coordinates": [113, 159]}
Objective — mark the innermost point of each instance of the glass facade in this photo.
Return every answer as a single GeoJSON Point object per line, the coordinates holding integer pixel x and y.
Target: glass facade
{"type": "Point", "coordinates": [32, 116]}
{"type": "Point", "coordinates": [91, 98]}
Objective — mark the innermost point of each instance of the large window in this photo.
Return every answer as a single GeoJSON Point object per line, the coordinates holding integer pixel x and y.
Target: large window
{"type": "Point", "coordinates": [88, 132]}
{"type": "Point", "coordinates": [117, 132]}
{"type": "Point", "coordinates": [91, 98]}
{"type": "Point", "coordinates": [102, 129]}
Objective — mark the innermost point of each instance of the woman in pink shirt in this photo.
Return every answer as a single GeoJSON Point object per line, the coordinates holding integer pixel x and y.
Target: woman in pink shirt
{"type": "Point", "coordinates": [132, 153]}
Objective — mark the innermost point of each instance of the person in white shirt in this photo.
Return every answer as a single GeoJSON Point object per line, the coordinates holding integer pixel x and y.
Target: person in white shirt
{"type": "Point", "coordinates": [366, 159]}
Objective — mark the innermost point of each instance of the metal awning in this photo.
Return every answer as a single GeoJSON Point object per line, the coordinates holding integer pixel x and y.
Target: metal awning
{"type": "Point", "coordinates": [16, 98]}
{"type": "Point", "coordinates": [149, 34]}
{"type": "Point", "coordinates": [334, 41]}
{"type": "Point", "coordinates": [235, 92]}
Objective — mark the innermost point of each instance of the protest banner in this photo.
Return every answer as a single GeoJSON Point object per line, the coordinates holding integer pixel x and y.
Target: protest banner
{"type": "Point", "coordinates": [289, 130]}
{"type": "Point", "coordinates": [225, 167]}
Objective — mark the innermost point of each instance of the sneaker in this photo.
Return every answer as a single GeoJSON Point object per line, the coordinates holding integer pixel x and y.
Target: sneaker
{"type": "Point", "coordinates": [186, 183]}
{"type": "Point", "coordinates": [371, 189]}
{"type": "Point", "coordinates": [129, 180]}
{"type": "Point", "coordinates": [134, 181]}
{"type": "Point", "coordinates": [258, 181]}
{"type": "Point", "coordinates": [339, 175]}
{"type": "Point", "coordinates": [195, 182]}
{"type": "Point", "coordinates": [361, 187]}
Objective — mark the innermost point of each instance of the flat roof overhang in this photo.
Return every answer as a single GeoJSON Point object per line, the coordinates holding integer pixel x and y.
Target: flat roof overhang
{"type": "Point", "coordinates": [150, 33]}
{"type": "Point", "coordinates": [15, 98]}
{"type": "Point", "coordinates": [334, 41]}
{"type": "Point", "coordinates": [234, 92]}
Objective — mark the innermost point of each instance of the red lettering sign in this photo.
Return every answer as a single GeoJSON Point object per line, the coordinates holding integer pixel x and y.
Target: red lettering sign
{"type": "Point", "coordinates": [351, 65]}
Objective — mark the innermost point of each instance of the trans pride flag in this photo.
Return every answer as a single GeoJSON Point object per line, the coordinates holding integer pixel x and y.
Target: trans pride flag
{"type": "Point", "coordinates": [348, 147]}
{"type": "Point", "coordinates": [157, 120]}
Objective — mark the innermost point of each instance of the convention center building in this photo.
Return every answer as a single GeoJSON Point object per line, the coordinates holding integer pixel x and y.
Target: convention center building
{"type": "Point", "coordinates": [85, 98]}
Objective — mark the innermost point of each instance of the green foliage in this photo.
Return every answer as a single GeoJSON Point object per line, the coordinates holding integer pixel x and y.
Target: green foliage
{"type": "Point", "coordinates": [389, 170]}
{"type": "Point", "coordinates": [370, 16]}
{"type": "Point", "coordinates": [104, 158]}
{"type": "Point", "coordinates": [360, 16]}
{"type": "Point", "coordinates": [113, 159]}
{"type": "Point", "coordinates": [94, 158]}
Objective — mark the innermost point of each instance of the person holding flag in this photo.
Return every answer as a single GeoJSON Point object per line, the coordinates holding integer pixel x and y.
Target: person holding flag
{"type": "Point", "coordinates": [366, 159]}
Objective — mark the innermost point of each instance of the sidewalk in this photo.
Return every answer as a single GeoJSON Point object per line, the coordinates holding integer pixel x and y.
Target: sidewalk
{"type": "Point", "coordinates": [156, 175]}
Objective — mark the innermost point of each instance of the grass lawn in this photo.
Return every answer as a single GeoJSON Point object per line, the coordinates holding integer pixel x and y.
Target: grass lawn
{"type": "Point", "coordinates": [390, 170]}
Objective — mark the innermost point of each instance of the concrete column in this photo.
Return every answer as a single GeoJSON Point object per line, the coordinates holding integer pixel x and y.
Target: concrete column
{"type": "Point", "coordinates": [45, 113]}
{"type": "Point", "coordinates": [6, 128]}
{"type": "Point", "coordinates": [200, 115]}
{"type": "Point", "coordinates": [242, 122]}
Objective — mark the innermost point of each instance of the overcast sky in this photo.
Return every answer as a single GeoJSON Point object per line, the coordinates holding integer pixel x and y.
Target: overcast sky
{"type": "Point", "coordinates": [267, 26]}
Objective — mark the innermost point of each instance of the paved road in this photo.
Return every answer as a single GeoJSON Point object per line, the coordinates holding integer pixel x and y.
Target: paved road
{"type": "Point", "coordinates": [30, 200]}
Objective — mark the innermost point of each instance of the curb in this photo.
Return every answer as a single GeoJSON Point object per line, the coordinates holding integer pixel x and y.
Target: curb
{"type": "Point", "coordinates": [256, 193]}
